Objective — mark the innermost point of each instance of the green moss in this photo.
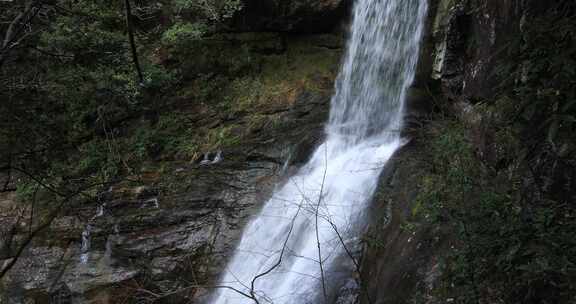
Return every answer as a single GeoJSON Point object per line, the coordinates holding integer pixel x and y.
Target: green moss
{"type": "Point", "coordinates": [271, 84]}
{"type": "Point", "coordinates": [213, 111]}
{"type": "Point", "coordinates": [478, 198]}
{"type": "Point", "coordinates": [301, 64]}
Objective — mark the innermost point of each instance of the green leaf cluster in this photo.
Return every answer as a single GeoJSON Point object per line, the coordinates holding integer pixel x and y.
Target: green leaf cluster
{"type": "Point", "coordinates": [69, 92]}
{"type": "Point", "coordinates": [510, 242]}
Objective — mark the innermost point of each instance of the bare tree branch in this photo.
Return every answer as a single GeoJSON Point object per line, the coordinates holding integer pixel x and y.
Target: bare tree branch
{"type": "Point", "coordinates": [13, 35]}
{"type": "Point", "coordinates": [31, 236]}
{"type": "Point", "coordinates": [11, 28]}
{"type": "Point", "coordinates": [316, 227]}
{"type": "Point", "coordinates": [351, 256]}
{"type": "Point", "coordinates": [32, 233]}
{"type": "Point", "coordinates": [252, 292]}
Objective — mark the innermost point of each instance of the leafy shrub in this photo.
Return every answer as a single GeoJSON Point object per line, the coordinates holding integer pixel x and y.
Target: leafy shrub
{"type": "Point", "coordinates": [183, 33]}
{"type": "Point", "coordinates": [214, 10]}
{"type": "Point", "coordinates": [507, 245]}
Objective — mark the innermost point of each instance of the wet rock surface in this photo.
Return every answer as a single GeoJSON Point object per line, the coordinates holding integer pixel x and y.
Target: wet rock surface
{"type": "Point", "coordinates": [168, 232]}
{"type": "Point", "coordinates": [164, 236]}
{"type": "Point", "coordinates": [400, 254]}
{"type": "Point", "coordinates": [461, 53]}
{"type": "Point", "coordinates": [470, 41]}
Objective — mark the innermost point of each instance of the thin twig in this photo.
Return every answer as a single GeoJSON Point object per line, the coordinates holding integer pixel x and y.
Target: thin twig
{"type": "Point", "coordinates": [279, 258]}
{"type": "Point", "coordinates": [316, 219]}
{"type": "Point", "coordinates": [351, 256]}
{"type": "Point", "coordinates": [31, 236]}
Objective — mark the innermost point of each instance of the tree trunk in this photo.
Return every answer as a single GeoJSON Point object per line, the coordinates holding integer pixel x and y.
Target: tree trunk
{"type": "Point", "coordinates": [132, 43]}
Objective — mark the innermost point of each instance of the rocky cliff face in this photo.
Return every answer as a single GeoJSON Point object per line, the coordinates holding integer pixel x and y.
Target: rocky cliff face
{"type": "Point", "coordinates": [470, 41]}
{"type": "Point", "coordinates": [405, 256]}
{"type": "Point", "coordinates": [165, 234]}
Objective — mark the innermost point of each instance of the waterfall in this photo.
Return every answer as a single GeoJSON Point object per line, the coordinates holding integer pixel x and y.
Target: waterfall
{"type": "Point", "coordinates": [296, 249]}
{"type": "Point", "coordinates": [87, 233]}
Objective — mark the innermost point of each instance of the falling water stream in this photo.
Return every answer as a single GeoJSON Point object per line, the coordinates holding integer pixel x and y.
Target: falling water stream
{"type": "Point", "coordinates": [296, 250]}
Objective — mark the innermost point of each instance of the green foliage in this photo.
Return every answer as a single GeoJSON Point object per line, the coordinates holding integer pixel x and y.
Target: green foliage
{"type": "Point", "coordinates": [159, 79]}
{"type": "Point", "coordinates": [408, 227]}
{"type": "Point", "coordinates": [505, 184]}
{"type": "Point", "coordinates": [165, 138]}
{"type": "Point", "coordinates": [245, 93]}
{"type": "Point", "coordinates": [196, 19]}
{"type": "Point", "coordinates": [67, 97]}
{"type": "Point", "coordinates": [540, 68]}
{"type": "Point", "coordinates": [452, 178]}
{"type": "Point", "coordinates": [183, 34]}
{"type": "Point", "coordinates": [26, 189]}
{"type": "Point", "coordinates": [371, 239]}
{"type": "Point", "coordinates": [91, 33]}
{"type": "Point", "coordinates": [172, 137]}
{"type": "Point", "coordinates": [213, 10]}
{"type": "Point", "coordinates": [506, 247]}
{"type": "Point", "coordinates": [97, 158]}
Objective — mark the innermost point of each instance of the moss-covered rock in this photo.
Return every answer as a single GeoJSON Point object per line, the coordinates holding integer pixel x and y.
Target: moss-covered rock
{"type": "Point", "coordinates": [173, 222]}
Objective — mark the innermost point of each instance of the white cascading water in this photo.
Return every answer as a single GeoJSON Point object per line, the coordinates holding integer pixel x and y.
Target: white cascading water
{"type": "Point", "coordinates": [87, 233]}
{"type": "Point", "coordinates": [317, 215]}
